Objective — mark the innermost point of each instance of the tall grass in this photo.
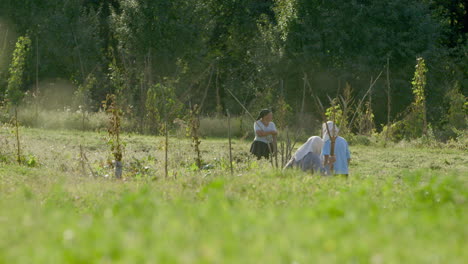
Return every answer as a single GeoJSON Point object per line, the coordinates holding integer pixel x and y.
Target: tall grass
{"type": "Point", "coordinates": [400, 205]}
{"type": "Point", "coordinates": [64, 119]}
{"type": "Point", "coordinates": [263, 217]}
{"type": "Point", "coordinates": [210, 127]}
{"type": "Point", "coordinates": [218, 127]}
{"type": "Point", "coordinates": [97, 121]}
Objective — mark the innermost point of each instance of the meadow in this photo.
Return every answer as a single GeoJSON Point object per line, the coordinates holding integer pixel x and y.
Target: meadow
{"type": "Point", "coordinates": [401, 204]}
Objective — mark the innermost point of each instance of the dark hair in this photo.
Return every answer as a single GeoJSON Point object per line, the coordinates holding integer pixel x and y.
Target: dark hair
{"type": "Point", "coordinates": [263, 113]}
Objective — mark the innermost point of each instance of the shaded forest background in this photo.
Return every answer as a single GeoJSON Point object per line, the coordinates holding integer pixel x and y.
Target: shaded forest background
{"type": "Point", "coordinates": [162, 57]}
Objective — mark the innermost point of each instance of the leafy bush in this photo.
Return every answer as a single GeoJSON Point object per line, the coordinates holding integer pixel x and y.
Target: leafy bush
{"type": "Point", "coordinates": [162, 103]}
{"type": "Point", "coordinates": [358, 140]}
{"type": "Point", "coordinates": [218, 127]}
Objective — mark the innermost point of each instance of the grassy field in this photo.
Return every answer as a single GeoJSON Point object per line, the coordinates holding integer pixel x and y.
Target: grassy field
{"type": "Point", "coordinates": [400, 205]}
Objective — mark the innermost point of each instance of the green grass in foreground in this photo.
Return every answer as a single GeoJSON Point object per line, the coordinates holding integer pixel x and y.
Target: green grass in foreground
{"type": "Point", "coordinates": [399, 206]}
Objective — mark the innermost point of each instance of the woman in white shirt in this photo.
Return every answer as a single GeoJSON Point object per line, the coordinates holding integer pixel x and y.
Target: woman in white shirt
{"type": "Point", "coordinates": [265, 135]}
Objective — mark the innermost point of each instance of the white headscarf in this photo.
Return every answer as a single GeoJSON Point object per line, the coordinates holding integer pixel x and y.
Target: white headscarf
{"type": "Point", "coordinates": [333, 132]}
{"type": "Point", "coordinates": [314, 144]}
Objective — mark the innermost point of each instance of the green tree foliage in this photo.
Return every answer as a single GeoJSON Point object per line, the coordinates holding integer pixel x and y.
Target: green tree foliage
{"type": "Point", "coordinates": [453, 16]}
{"type": "Point", "coordinates": [456, 119]}
{"type": "Point", "coordinates": [162, 105]}
{"type": "Point", "coordinates": [66, 37]}
{"type": "Point", "coordinates": [350, 40]}
{"type": "Point", "coordinates": [159, 39]}
{"type": "Point", "coordinates": [83, 99]}
{"type": "Point", "coordinates": [15, 89]}
{"type": "Point", "coordinates": [417, 121]}
{"type": "Point", "coordinates": [283, 114]}
{"type": "Point", "coordinates": [260, 50]}
{"type": "Point", "coordinates": [365, 120]}
{"type": "Point", "coordinates": [414, 124]}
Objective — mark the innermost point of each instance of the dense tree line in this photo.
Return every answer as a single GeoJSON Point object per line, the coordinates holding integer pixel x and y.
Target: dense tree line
{"type": "Point", "coordinates": [190, 52]}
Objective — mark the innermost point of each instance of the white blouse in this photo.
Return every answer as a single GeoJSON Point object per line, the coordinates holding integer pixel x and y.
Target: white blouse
{"type": "Point", "coordinates": [258, 125]}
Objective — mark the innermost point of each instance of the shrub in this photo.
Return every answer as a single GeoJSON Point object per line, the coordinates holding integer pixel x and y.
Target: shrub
{"type": "Point", "coordinates": [218, 127]}
{"type": "Point", "coordinates": [162, 103]}
{"type": "Point", "coordinates": [415, 123]}
{"type": "Point", "coordinates": [358, 140]}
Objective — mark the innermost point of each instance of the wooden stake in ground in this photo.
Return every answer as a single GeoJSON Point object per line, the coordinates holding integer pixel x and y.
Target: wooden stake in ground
{"type": "Point", "coordinates": [83, 169]}
{"type": "Point", "coordinates": [332, 138]}
{"type": "Point", "coordinates": [388, 102]}
{"type": "Point", "coordinates": [166, 145]}
{"type": "Point", "coordinates": [275, 150]}
{"type": "Point", "coordinates": [229, 135]}
{"type": "Point", "coordinates": [36, 92]}
{"type": "Point", "coordinates": [282, 153]}
{"type": "Point", "coordinates": [166, 137]}
{"type": "Point", "coordinates": [18, 150]}
{"type": "Point", "coordinates": [84, 160]}
{"type": "Point", "coordinates": [194, 126]}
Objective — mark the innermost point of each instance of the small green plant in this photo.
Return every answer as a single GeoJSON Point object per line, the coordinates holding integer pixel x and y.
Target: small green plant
{"type": "Point", "coordinates": [161, 104]}
{"type": "Point", "coordinates": [415, 122]}
{"type": "Point", "coordinates": [138, 168]}
{"type": "Point", "coordinates": [457, 116]}
{"type": "Point", "coordinates": [116, 145]}
{"type": "Point", "coordinates": [14, 92]}
{"type": "Point", "coordinates": [365, 120]}
{"type": "Point", "coordinates": [283, 113]}
{"type": "Point", "coordinates": [83, 98]}
{"type": "Point", "coordinates": [335, 114]}
{"type": "Point", "coordinates": [32, 161]}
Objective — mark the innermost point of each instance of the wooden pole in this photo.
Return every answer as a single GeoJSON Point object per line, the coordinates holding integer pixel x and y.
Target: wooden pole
{"type": "Point", "coordinates": [18, 153]}
{"type": "Point", "coordinates": [230, 146]}
{"type": "Point", "coordinates": [166, 135]}
{"type": "Point", "coordinates": [303, 95]}
{"type": "Point", "coordinates": [387, 134]}
{"type": "Point", "coordinates": [166, 145]}
{"type": "Point", "coordinates": [82, 161]}
{"type": "Point", "coordinates": [288, 147]}
{"type": "Point", "coordinates": [332, 137]}
{"type": "Point", "coordinates": [324, 117]}
{"type": "Point", "coordinates": [275, 150]}
{"type": "Point", "coordinates": [282, 153]}
{"type": "Point", "coordinates": [36, 95]}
